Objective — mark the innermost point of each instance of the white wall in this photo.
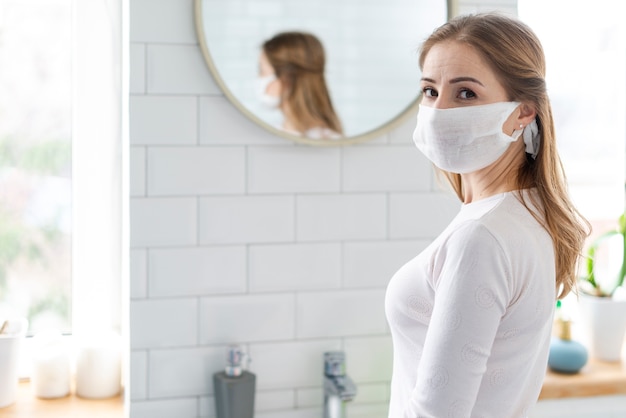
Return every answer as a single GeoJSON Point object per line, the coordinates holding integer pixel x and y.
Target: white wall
{"type": "Point", "coordinates": [239, 236]}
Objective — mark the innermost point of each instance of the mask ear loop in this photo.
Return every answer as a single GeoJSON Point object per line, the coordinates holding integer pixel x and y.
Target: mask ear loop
{"type": "Point", "coordinates": [517, 132]}
{"type": "Point", "coordinates": [531, 138]}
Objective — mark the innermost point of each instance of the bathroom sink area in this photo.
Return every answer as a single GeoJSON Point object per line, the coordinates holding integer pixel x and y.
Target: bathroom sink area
{"type": "Point", "coordinates": [613, 406]}
{"type": "Point", "coordinates": [598, 390]}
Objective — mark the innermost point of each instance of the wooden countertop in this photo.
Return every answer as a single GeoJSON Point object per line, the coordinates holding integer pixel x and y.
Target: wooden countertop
{"type": "Point", "coordinates": [597, 378]}
{"type": "Point", "coordinates": [27, 405]}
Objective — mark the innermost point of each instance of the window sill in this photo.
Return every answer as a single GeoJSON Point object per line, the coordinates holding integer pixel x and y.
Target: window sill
{"type": "Point", "coordinates": [597, 378]}
{"type": "Point", "coordinates": [28, 405]}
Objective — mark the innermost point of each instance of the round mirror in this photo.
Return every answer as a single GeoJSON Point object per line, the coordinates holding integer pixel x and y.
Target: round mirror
{"type": "Point", "coordinates": [370, 74]}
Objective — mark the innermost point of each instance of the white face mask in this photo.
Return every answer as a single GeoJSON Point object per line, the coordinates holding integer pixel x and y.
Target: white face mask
{"type": "Point", "coordinates": [261, 86]}
{"type": "Point", "coordinates": [464, 139]}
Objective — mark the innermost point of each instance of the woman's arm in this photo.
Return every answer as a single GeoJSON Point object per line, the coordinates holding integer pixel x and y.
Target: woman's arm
{"type": "Point", "coordinates": [471, 274]}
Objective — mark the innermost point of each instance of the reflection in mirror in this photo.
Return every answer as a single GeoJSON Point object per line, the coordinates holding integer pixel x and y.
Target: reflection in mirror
{"type": "Point", "coordinates": [291, 79]}
{"type": "Point", "coordinates": [371, 68]}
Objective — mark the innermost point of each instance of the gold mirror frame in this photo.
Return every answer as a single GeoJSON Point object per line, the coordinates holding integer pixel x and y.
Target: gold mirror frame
{"type": "Point", "coordinates": [408, 111]}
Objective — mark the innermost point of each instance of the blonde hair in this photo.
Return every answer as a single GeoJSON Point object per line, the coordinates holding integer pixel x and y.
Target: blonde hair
{"type": "Point", "coordinates": [298, 60]}
{"type": "Point", "coordinates": [516, 56]}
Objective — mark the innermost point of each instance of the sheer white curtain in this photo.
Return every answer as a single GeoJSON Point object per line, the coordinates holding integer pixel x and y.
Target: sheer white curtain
{"type": "Point", "coordinates": [100, 166]}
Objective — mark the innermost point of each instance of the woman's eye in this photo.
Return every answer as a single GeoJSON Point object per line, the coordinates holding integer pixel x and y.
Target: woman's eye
{"type": "Point", "coordinates": [429, 92]}
{"type": "Point", "coordinates": [467, 94]}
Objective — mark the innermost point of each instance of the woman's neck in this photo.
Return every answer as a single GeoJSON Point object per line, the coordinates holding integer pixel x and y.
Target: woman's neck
{"type": "Point", "coordinates": [499, 177]}
{"type": "Point", "coordinates": [289, 121]}
{"type": "Point", "coordinates": [289, 126]}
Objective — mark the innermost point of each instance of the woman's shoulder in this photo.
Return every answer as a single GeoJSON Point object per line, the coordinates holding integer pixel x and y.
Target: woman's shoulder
{"type": "Point", "coordinates": [510, 218]}
{"type": "Point", "coordinates": [322, 133]}
{"type": "Point", "coordinates": [509, 208]}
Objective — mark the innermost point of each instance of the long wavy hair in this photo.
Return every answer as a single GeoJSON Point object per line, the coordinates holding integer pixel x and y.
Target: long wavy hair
{"type": "Point", "coordinates": [516, 56]}
{"type": "Point", "coordinates": [298, 60]}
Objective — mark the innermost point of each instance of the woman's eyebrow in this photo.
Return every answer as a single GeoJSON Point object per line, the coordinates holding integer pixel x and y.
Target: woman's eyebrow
{"type": "Point", "coordinates": [462, 79]}
{"type": "Point", "coordinates": [455, 80]}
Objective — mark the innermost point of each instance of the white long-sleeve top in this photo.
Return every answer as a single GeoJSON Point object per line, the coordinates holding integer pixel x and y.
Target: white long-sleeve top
{"type": "Point", "coordinates": [471, 316]}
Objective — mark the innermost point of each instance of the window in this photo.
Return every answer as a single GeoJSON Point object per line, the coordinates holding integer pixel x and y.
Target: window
{"type": "Point", "coordinates": [585, 50]}
{"type": "Point", "coordinates": [35, 162]}
{"type": "Point", "coordinates": [63, 163]}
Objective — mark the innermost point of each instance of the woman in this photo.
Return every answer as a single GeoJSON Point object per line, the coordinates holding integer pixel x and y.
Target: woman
{"type": "Point", "coordinates": [471, 316]}
{"type": "Point", "coordinates": [291, 67]}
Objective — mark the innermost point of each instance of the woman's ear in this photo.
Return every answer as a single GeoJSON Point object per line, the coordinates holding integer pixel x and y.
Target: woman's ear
{"type": "Point", "coordinates": [526, 115]}
{"type": "Point", "coordinates": [522, 116]}
{"type": "Point", "coordinates": [275, 88]}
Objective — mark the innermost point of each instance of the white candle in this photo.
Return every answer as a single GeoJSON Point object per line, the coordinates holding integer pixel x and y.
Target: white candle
{"type": "Point", "coordinates": [99, 366]}
{"type": "Point", "coordinates": [10, 341]}
{"type": "Point", "coordinates": [51, 366]}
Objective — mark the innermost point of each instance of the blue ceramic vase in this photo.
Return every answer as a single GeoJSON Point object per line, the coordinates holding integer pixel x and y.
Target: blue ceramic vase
{"type": "Point", "coordinates": [566, 355]}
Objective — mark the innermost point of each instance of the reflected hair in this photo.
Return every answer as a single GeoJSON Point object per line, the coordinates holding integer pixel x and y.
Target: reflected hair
{"type": "Point", "coordinates": [516, 56]}
{"type": "Point", "coordinates": [298, 60]}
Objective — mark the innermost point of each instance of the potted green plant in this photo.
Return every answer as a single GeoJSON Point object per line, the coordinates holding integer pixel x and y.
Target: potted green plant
{"type": "Point", "coordinates": [603, 297]}
{"type": "Point", "coordinates": [591, 285]}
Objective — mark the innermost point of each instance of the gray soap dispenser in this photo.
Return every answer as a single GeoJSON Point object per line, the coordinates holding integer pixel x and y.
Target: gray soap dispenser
{"type": "Point", "coordinates": [234, 387]}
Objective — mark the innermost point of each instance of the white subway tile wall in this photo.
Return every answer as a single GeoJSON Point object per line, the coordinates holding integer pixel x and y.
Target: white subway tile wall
{"type": "Point", "coordinates": [240, 236]}
{"type": "Point", "coordinates": [164, 323]}
{"type": "Point", "coordinates": [389, 169]}
{"type": "Point", "coordinates": [340, 217]}
{"type": "Point", "coordinates": [177, 69]}
{"type": "Point", "coordinates": [183, 372]}
{"type": "Point", "coordinates": [295, 267]}
{"type": "Point", "coordinates": [163, 120]}
{"type": "Point", "coordinates": [167, 408]}
{"type": "Point", "coordinates": [294, 364]}
{"type": "Point", "coordinates": [221, 123]}
{"type": "Point", "coordinates": [176, 171]}
{"type": "Point", "coordinates": [197, 271]}
{"type": "Point", "coordinates": [139, 368]}
{"type": "Point", "coordinates": [247, 219]}
{"type": "Point", "coordinates": [137, 57]}
{"type": "Point", "coordinates": [293, 169]}
{"type": "Point", "coordinates": [138, 176]}
{"type": "Point", "coordinates": [163, 222]}
{"type": "Point", "coordinates": [271, 400]}
{"type": "Point", "coordinates": [341, 313]}
{"type": "Point", "coordinates": [162, 22]}
{"type": "Point", "coordinates": [139, 273]}
{"type": "Point", "coordinates": [247, 317]}
{"type": "Point", "coordinates": [407, 210]}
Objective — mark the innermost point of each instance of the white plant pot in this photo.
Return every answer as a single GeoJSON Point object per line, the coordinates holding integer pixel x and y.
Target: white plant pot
{"type": "Point", "coordinates": [605, 325]}
{"type": "Point", "coordinates": [98, 366]}
{"type": "Point", "coordinates": [10, 342]}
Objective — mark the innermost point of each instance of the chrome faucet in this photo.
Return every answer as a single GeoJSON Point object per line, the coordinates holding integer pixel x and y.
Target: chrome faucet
{"type": "Point", "coordinates": [338, 388]}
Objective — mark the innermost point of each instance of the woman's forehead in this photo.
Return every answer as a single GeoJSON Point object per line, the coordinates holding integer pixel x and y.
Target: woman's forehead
{"type": "Point", "coordinates": [455, 59]}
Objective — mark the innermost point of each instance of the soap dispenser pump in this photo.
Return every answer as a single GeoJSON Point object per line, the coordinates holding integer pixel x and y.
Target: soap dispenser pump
{"type": "Point", "coordinates": [566, 355]}
{"type": "Point", "coordinates": [234, 387]}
